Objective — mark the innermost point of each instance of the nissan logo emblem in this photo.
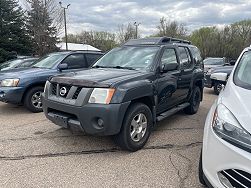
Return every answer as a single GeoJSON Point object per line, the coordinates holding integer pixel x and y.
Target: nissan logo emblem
{"type": "Point", "coordinates": [63, 91]}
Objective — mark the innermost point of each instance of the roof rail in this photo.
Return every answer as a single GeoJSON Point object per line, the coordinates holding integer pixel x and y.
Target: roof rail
{"type": "Point", "coordinates": [156, 41]}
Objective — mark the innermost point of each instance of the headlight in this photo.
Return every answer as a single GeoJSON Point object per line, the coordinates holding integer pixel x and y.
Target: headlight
{"type": "Point", "coordinates": [9, 83]}
{"type": "Point", "coordinates": [227, 127]}
{"type": "Point", "coordinates": [101, 96]}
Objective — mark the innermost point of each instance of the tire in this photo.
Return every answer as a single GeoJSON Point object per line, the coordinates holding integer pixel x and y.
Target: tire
{"type": "Point", "coordinates": [218, 87]}
{"type": "Point", "coordinates": [201, 173]}
{"type": "Point", "coordinates": [194, 102]}
{"type": "Point", "coordinates": [136, 128]}
{"type": "Point", "coordinates": [32, 99]}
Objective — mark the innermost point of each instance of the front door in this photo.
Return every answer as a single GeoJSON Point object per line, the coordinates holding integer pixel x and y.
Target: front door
{"type": "Point", "coordinates": [168, 92]}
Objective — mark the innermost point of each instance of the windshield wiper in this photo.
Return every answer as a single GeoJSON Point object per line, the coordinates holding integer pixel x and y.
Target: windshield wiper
{"type": "Point", "coordinates": [114, 67]}
{"type": "Point", "coordinates": [119, 67]}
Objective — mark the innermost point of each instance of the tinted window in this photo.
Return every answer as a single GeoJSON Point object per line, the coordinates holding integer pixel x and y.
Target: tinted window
{"type": "Point", "coordinates": [169, 56]}
{"type": "Point", "coordinates": [196, 55]}
{"type": "Point", "coordinates": [91, 58]}
{"type": "Point", "coordinates": [242, 76]}
{"type": "Point", "coordinates": [75, 61]}
{"type": "Point", "coordinates": [185, 58]}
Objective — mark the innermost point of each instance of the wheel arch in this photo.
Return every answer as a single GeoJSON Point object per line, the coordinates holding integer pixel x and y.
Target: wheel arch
{"type": "Point", "coordinates": [42, 84]}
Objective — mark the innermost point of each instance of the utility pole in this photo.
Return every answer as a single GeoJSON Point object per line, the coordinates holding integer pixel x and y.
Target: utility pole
{"type": "Point", "coordinates": [136, 29]}
{"type": "Point", "coordinates": [65, 28]}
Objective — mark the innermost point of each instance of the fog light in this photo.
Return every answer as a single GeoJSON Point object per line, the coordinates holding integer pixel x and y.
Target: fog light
{"type": "Point", "coordinates": [100, 122]}
{"type": "Point", "coordinates": [224, 181]}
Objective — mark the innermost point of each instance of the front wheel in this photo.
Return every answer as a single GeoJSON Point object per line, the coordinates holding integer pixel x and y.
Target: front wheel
{"type": "Point", "coordinates": [136, 128]}
{"type": "Point", "coordinates": [218, 87]}
{"type": "Point", "coordinates": [194, 102]}
{"type": "Point", "coordinates": [33, 99]}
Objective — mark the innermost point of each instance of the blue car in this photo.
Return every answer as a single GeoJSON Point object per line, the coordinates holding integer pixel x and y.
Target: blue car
{"type": "Point", "coordinates": [26, 85]}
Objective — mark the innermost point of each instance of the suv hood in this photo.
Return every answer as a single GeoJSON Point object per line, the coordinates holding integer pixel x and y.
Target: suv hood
{"type": "Point", "coordinates": [24, 72]}
{"type": "Point", "coordinates": [98, 77]}
{"type": "Point", "coordinates": [237, 100]}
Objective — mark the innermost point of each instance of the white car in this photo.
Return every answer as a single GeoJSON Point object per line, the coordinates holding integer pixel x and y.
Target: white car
{"type": "Point", "coordinates": [226, 152]}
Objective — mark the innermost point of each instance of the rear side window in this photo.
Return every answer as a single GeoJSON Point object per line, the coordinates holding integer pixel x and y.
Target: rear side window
{"type": "Point", "coordinates": [92, 58]}
{"type": "Point", "coordinates": [185, 58]}
{"type": "Point", "coordinates": [75, 61]}
{"type": "Point", "coordinates": [196, 55]}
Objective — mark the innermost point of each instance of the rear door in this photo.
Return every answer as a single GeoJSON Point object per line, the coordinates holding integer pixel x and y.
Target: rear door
{"type": "Point", "coordinates": [168, 92]}
{"type": "Point", "coordinates": [186, 75]}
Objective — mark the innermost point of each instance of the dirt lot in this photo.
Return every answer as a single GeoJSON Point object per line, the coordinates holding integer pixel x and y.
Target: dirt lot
{"type": "Point", "coordinates": [37, 153]}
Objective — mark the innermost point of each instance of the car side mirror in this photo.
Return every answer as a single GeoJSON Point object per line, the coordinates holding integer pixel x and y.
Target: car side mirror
{"type": "Point", "coordinates": [220, 76]}
{"type": "Point", "coordinates": [169, 67]}
{"type": "Point", "coordinates": [62, 66]}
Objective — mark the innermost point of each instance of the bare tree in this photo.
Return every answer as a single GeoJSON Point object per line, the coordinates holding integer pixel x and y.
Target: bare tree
{"type": "Point", "coordinates": [171, 28]}
{"type": "Point", "coordinates": [125, 32]}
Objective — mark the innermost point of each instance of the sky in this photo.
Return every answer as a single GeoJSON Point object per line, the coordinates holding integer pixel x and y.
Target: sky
{"type": "Point", "coordinates": [106, 15]}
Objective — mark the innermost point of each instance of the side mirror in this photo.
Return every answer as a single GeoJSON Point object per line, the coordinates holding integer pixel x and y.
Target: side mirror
{"type": "Point", "coordinates": [169, 67]}
{"type": "Point", "coordinates": [62, 66]}
{"type": "Point", "coordinates": [219, 76]}
{"type": "Point", "coordinates": [232, 62]}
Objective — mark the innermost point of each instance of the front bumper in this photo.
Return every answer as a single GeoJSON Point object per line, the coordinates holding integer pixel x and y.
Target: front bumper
{"type": "Point", "coordinates": [11, 94]}
{"type": "Point", "coordinates": [87, 117]}
{"type": "Point", "coordinates": [219, 156]}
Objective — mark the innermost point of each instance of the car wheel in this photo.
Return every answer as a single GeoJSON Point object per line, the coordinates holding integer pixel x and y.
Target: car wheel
{"type": "Point", "coordinates": [201, 173]}
{"type": "Point", "coordinates": [33, 99]}
{"type": "Point", "coordinates": [136, 128]}
{"type": "Point", "coordinates": [218, 87]}
{"type": "Point", "coordinates": [194, 102]}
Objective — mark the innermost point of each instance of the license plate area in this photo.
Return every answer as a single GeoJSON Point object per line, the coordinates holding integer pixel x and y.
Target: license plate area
{"type": "Point", "coordinates": [60, 120]}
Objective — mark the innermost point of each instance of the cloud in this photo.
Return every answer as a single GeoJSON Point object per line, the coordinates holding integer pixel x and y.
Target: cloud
{"type": "Point", "coordinates": [108, 14]}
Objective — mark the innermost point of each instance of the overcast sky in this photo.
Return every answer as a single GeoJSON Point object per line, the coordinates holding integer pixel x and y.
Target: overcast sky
{"type": "Point", "coordinates": [106, 15]}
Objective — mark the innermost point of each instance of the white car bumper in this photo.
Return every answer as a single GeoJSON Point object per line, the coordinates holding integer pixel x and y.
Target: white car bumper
{"type": "Point", "coordinates": [220, 157]}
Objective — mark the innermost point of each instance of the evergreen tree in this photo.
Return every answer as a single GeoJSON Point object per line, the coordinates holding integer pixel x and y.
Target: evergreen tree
{"type": "Point", "coordinates": [40, 28]}
{"type": "Point", "coordinates": [14, 38]}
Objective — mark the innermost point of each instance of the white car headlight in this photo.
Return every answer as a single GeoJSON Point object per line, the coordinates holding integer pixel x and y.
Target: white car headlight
{"type": "Point", "coordinates": [101, 95]}
{"type": "Point", "coordinates": [9, 83]}
{"type": "Point", "coordinates": [227, 127]}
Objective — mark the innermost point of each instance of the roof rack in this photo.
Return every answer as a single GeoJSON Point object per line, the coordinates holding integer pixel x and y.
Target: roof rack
{"type": "Point", "coordinates": [156, 41]}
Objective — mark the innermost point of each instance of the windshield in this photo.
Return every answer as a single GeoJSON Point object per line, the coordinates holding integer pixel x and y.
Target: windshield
{"type": "Point", "coordinates": [10, 64]}
{"type": "Point", "coordinates": [48, 61]}
{"type": "Point", "coordinates": [27, 63]}
{"type": "Point", "coordinates": [128, 57]}
{"type": "Point", "coordinates": [214, 61]}
{"type": "Point", "coordinates": [242, 75]}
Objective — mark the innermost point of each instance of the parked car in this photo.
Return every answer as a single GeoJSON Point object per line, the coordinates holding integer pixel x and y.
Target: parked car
{"type": "Point", "coordinates": [25, 85]}
{"type": "Point", "coordinates": [211, 81]}
{"type": "Point", "coordinates": [128, 90]}
{"type": "Point", "coordinates": [212, 62]}
{"type": "Point", "coordinates": [226, 154]}
{"type": "Point", "coordinates": [17, 63]}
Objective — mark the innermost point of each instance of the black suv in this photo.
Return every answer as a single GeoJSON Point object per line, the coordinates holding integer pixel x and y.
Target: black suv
{"type": "Point", "coordinates": [128, 90]}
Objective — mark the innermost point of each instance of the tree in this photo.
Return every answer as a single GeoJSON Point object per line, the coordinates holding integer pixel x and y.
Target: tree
{"type": "Point", "coordinates": [14, 37]}
{"type": "Point", "coordinates": [41, 29]}
{"type": "Point", "coordinates": [100, 39]}
{"type": "Point", "coordinates": [125, 32]}
{"type": "Point", "coordinates": [171, 29]}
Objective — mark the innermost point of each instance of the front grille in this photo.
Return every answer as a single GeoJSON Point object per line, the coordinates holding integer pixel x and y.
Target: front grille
{"type": "Point", "coordinates": [237, 178]}
{"type": "Point", "coordinates": [54, 89]}
{"type": "Point", "coordinates": [65, 88]}
{"type": "Point", "coordinates": [75, 96]}
{"type": "Point", "coordinates": [62, 90]}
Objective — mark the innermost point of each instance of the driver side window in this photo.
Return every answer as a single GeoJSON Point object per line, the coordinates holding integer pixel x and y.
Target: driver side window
{"type": "Point", "coordinates": [169, 56]}
{"type": "Point", "coordinates": [75, 61]}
